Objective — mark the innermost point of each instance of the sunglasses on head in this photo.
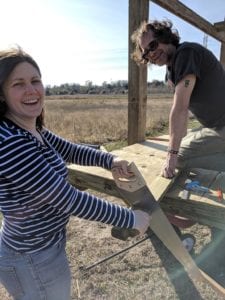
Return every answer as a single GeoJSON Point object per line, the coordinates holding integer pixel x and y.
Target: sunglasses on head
{"type": "Point", "coordinates": [152, 46]}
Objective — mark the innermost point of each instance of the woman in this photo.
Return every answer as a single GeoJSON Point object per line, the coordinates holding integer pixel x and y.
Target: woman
{"type": "Point", "coordinates": [36, 199]}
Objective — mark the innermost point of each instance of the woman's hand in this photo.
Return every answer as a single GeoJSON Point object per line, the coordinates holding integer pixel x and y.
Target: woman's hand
{"type": "Point", "coordinates": [121, 167]}
{"type": "Point", "coordinates": [142, 221]}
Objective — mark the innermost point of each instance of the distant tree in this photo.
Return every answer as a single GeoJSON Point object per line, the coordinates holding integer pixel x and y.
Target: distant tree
{"type": "Point", "coordinates": [117, 87]}
{"type": "Point", "coordinates": [157, 83]}
{"type": "Point", "coordinates": [88, 83]}
{"type": "Point", "coordinates": [48, 90]}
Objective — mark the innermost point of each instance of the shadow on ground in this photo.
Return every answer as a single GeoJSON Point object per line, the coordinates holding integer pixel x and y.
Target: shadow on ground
{"type": "Point", "coordinates": [211, 260]}
{"type": "Point", "coordinates": [182, 284]}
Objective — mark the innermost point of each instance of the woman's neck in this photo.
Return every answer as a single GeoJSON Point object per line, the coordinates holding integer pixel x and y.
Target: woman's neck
{"type": "Point", "coordinates": [29, 125]}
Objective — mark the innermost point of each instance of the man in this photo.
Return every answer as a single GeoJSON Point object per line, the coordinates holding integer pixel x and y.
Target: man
{"type": "Point", "coordinates": [198, 79]}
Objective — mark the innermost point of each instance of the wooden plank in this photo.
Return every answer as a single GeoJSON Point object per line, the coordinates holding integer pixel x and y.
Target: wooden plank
{"type": "Point", "coordinates": [104, 183]}
{"type": "Point", "coordinates": [199, 209]}
{"type": "Point", "coordinates": [149, 157]}
{"type": "Point", "coordinates": [159, 186]}
{"type": "Point", "coordinates": [92, 178]}
{"type": "Point", "coordinates": [204, 209]}
{"type": "Point", "coordinates": [137, 78]}
{"type": "Point", "coordinates": [222, 54]}
{"type": "Point", "coordinates": [182, 11]}
{"type": "Point", "coordinates": [220, 26]}
{"type": "Point", "coordinates": [139, 196]}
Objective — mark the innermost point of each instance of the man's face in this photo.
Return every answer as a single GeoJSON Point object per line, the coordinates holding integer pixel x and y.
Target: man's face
{"type": "Point", "coordinates": [156, 52]}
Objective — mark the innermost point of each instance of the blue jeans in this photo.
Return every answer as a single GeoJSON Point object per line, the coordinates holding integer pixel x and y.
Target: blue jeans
{"type": "Point", "coordinates": [44, 275]}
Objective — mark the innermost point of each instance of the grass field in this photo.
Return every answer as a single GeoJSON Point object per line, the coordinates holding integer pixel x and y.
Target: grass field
{"type": "Point", "coordinates": [148, 271]}
{"type": "Point", "coordinates": [101, 119]}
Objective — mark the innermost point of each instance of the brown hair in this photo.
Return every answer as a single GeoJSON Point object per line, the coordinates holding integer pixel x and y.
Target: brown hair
{"type": "Point", "coordinates": [9, 59]}
{"type": "Point", "coordinates": [162, 31]}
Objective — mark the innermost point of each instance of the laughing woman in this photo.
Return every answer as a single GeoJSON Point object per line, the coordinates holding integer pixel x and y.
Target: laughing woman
{"type": "Point", "coordinates": [36, 200]}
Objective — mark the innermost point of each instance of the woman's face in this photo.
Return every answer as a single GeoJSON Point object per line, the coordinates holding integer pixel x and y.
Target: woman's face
{"type": "Point", "coordinates": [24, 93]}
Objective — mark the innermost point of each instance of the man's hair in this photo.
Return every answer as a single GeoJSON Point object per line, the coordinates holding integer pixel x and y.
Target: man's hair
{"type": "Point", "coordinates": [162, 31]}
{"type": "Point", "coordinates": [9, 59]}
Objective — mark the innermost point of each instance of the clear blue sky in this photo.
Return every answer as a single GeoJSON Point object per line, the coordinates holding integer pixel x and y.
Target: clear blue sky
{"type": "Point", "coordinates": [78, 40]}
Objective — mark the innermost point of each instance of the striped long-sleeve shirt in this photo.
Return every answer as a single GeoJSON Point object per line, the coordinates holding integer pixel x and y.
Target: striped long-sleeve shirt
{"type": "Point", "coordinates": [36, 199]}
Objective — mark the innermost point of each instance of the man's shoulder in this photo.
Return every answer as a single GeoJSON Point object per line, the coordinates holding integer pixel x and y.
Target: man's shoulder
{"type": "Point", "coordinates": [195, 50]}
{"type": "Point", "coordinates": [190, 45]}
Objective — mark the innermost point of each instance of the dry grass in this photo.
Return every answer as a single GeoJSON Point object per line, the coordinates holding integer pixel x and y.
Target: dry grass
{"type": "Point", "coordinates": [148, 271]}
{"type": "Point", "coordinates": [100, 119]}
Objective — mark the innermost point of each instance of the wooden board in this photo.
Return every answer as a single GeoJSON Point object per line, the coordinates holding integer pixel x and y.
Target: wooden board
{"type": "Point", "coordinates": [203, 208]}
{"type": "Point", "coordinates": [138, 195]}
{"type": "Point", "coordinates": [149, 157]}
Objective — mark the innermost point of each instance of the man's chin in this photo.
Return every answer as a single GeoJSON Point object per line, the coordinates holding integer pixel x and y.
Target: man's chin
{"type": "Point", "coordinates": [159, 63]}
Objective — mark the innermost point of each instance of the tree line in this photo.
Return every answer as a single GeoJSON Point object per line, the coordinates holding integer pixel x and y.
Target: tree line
{"type": "Point", "coordinates": [114, 87]}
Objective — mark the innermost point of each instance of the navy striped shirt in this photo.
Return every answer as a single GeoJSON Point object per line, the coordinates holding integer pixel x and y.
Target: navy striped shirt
{"type": "Point", "coordinates": [36, 199]}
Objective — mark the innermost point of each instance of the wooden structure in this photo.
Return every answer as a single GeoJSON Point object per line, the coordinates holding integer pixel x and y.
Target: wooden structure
{"type": "Point", "coordinates": [149, 155]}
{"type": "Point", "coordinates": [137, 96]}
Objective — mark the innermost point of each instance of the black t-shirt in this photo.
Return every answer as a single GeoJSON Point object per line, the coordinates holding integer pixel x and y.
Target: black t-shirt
{"type": "Point", "coordinates": [207, 101]}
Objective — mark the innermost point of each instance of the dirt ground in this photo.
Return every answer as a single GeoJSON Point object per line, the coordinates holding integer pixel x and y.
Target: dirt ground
{"type": "Point", "coordinates": [145, 272]}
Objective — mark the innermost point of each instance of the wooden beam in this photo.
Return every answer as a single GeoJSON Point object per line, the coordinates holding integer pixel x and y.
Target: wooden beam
{"type": "Point", "coordinates": [222, 54]}
{"type": "Point", "coordinates": [204, 212]}
{"type": "Point", "coordinates": [220, 26]}
{"type": "Point", "coordinates": [212, 214]}
{"type": "Point", "coordinates": [101, 181]}
{"type": "Point", "coordinates": [185, 13]}
{"type": "Point", "coordinates": [149, 157]}
{"type": "Point", "coordinates": [137, 77]}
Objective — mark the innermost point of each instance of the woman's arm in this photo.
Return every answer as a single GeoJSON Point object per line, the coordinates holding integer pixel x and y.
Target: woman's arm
{"type": "Point", "coordinates": [38, 175]}
{"type": "Point", "coordinates": [78, 154]}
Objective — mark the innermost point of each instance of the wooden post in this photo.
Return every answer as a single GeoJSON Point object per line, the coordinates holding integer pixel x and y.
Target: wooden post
{"type": "Point", "coordinates": [220, 26]}
{"type": "Point", "coordinates": [137, 77]}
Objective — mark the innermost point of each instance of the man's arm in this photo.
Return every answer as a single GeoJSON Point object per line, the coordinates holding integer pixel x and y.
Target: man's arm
{"type": "Point", "coordinates": [178, 122]}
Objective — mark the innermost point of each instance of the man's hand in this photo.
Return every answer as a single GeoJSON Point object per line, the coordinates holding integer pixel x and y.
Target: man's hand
{"type": "Point", "coordinates": [168, 170]}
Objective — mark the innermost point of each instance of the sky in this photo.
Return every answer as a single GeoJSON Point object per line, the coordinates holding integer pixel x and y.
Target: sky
{"type": "Point", "coordinates": [75, 41]}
